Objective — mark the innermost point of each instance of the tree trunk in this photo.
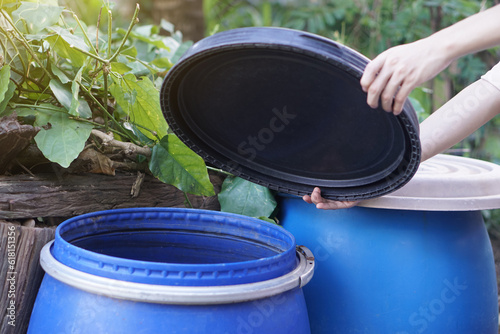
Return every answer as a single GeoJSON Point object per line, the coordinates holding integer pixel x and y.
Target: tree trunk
{"type": "Point", "coordinates": [20, 273]}
{"type": "Point", "coordinates": [186, 15]}
{"type": "Point", "coordinates": [51, 195]}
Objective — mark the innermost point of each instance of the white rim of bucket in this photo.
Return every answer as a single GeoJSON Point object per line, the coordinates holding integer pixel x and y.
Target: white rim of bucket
{"type": "Point", "coordinates": [180, 295]}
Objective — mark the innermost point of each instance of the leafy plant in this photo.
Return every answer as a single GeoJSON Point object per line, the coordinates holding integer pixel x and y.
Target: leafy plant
{"type": "Point", "coordinates": [71, 80]}
{"type": "Point", "coordinates": [247, 198]}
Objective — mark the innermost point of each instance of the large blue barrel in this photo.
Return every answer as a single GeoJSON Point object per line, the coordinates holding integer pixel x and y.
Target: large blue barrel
{"type": "Point", "coordinates": [380, 269]}
{"type": "Point", "coordinates": [154, 270]}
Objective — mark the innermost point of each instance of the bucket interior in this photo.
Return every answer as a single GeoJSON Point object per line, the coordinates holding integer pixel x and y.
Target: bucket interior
{"type": "Point", "coordinates": [175, 246]}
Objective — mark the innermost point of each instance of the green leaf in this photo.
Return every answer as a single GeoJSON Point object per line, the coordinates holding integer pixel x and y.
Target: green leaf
{"type": "Point", "coordinates": [269, 220]}
{"type": "Point", "coordinates": [144, 37]}
{"type": "Point", "coordinates": [180, 51]}
{"type": "Point", "coordinates": [120, 68]}
{"type": "Point", "coordinates": [69, 99]}
{"type": "Point", "coordinates": [7, 89]}
{"type": "Point", "coordinates": [167, 26]}
{"type": "Point", "coordinates": [60, 74]}
{"type": "Point", "coordinates": [66, 45]}
{"type": "Point", "coordinates": [163, 62]}
{"type": "Point", "coordinates": [246, 198]}
{"type": "Point", "coordinates": [62, 93]}
{"type": "Point", "coordinates": [5, 100]}
{"type": "Point", "coordinates": [131, 51]}
{"type": "Point", "coordinates": [4, 81]}
{"type": "Point", "coordinates": [141, 100]}
{"type": "Point", "coordinates": [64, 139]}
{"type": "Point", "coordinates": [79, 107]}
{"type": "Point", "coordinates": [174, 163]}
{"type": "Point", "coordinates": [36, 16]}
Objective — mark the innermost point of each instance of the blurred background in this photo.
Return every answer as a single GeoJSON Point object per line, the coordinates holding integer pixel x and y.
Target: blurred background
{"type": "Point", "coordinates": [368, 26]}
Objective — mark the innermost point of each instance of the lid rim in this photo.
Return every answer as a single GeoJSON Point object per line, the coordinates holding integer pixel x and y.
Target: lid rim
{"type": "Point", "coordinates": [338, 189]}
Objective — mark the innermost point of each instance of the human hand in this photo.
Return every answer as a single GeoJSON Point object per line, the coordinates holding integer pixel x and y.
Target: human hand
{"type": "Point", "coordinates": [393, 74]}
{"type": "Point", "coordinates": [326, 204]}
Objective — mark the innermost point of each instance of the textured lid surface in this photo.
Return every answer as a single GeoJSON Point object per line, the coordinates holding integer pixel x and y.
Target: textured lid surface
{"type": "Point", "coordinates": [447, 183]}
{"type": "Point", "coordinates": [285, 109]}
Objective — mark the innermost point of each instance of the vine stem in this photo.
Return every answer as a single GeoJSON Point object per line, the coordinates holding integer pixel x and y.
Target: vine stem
{"type": "Point", "coordinates": [89, 54]}
{"type": "Point", "coordinates": [110, 18]}
{"type": "Point", "coordinates": [219, 171]}
{"type": "Point", "coordinates": [85, 33]}
{"type": "Point", "coordinates": [187, 200]}
{"type": "Point", "coordinates": [122, 129]}
{"type": "Point", "coordinates": [25, 43]}
{"type": "Point", "coordinates": [134, 21]}
{"type": "Point", "coordinates": [35, 106]}
{"type": "Point", "coordinates": [154, 133]}
{"type": "Point", "coordinates": [105, 72]}
{"type": "Point", "coordinates": [28, 78]}
{"type": "Point", "coordinates": [5, 32]}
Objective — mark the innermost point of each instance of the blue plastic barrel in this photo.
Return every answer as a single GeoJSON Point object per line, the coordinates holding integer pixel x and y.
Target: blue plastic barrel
{"type": "Point", "coordinates": [168, 270]}
{"type": "Point", "coordinates": [396, 271]}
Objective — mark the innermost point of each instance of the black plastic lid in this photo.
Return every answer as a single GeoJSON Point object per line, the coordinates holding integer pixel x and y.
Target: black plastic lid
{"type": "Point", "coordinates": [285, 109]}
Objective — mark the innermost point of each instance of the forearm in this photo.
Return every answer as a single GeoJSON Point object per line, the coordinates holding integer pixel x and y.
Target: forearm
{"type": "Point", "coordinates": [475, 33]}
{"type": "Point", "coordinates": [459, 117]}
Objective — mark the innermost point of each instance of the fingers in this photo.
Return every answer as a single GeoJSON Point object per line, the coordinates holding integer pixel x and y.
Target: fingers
{"type": "Point", "coordinates": [371, 71]}
{"type": "Point", "coordinates": [384, 81]}
{"type": "Point", "coordinates": [325, 204]}
{"type": "Point", "coordinates": [316, 196]}
{"type": "Point", "coordinates": [334, 205]}
{"type": "Point", "coordinates": [376, 87]}
{"type": "Point", "coordinates": [400, 98]}
{"type": "Point", "coordinates": [307, 199]}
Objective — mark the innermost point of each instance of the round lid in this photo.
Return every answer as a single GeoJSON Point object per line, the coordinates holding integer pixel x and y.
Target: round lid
{"type": "Point", "coordinates": [447, 183]}
{"type": "Point", "coordinates": [285, 109]}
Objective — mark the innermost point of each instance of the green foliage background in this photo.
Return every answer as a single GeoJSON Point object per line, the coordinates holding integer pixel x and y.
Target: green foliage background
{"type": "Point", "coordinates": [69, 77]}
{"type": "Point", "coordinates": [73, 83]}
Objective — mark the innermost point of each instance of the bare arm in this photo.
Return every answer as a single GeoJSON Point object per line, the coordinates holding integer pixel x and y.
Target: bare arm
{"type": "Point", "coordinates": [459, 117]}
{"type": "Point", "coordinates": [396, 72]}
{"type": "Point", "coordinates": [393, 74]}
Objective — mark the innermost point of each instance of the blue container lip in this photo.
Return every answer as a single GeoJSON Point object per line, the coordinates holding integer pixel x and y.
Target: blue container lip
{"type": "Point", "coordinates": [250, 230]}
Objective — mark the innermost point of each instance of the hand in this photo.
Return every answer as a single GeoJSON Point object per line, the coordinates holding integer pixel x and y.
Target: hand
{"type": "Point", "coordinates": [326, 204]}
{"type": "Point", "coordinates": [393, 74]}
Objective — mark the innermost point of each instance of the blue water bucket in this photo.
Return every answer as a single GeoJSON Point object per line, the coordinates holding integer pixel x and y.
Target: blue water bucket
{"type": "Point", "coordinates": [396, 271]}
{"type": "Point", "coordinates": [168, 270]}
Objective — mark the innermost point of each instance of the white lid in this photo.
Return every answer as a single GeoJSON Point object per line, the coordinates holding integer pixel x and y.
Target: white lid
{"type": "Point", "coordinates": [446, 183]}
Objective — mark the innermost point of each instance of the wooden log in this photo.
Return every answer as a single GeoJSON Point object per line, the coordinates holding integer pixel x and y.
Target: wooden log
{"type": "Point", "coordinates": [20, 273]}
{"type": "Point", "coordinates": [53, 195]}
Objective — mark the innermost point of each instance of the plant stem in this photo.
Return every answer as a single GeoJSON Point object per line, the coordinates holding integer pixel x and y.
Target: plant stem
{"type": "Point", "coordinates": [219, 171]}
{"type": "Point", "coordinates": [98, 125]}
{"type": "Point", "coordinates": [14, 45]}
{"type": "Point", "coordinates": [134, 21]}
{"type": "Point", "coordinates": [187, 199]}
{"type": "Point", "coordinates": [110, 17]}
{"type": "Point", "coordinates": [107, 113]}
{"type": "Point", "coordinates": [25, 43]}
{"type": "Point", "coordinates": [149, 130]}
{"type": "Point", "coordinates": [85, 33]}
{"type": "Point", "coordinates": [36, 106]}
{"type": "Point", "coordinates": [27, 78]}
{"type": "Point", "coordinates": [105, 72]}
{"type": "Point", "coordinates": [90, 54]}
